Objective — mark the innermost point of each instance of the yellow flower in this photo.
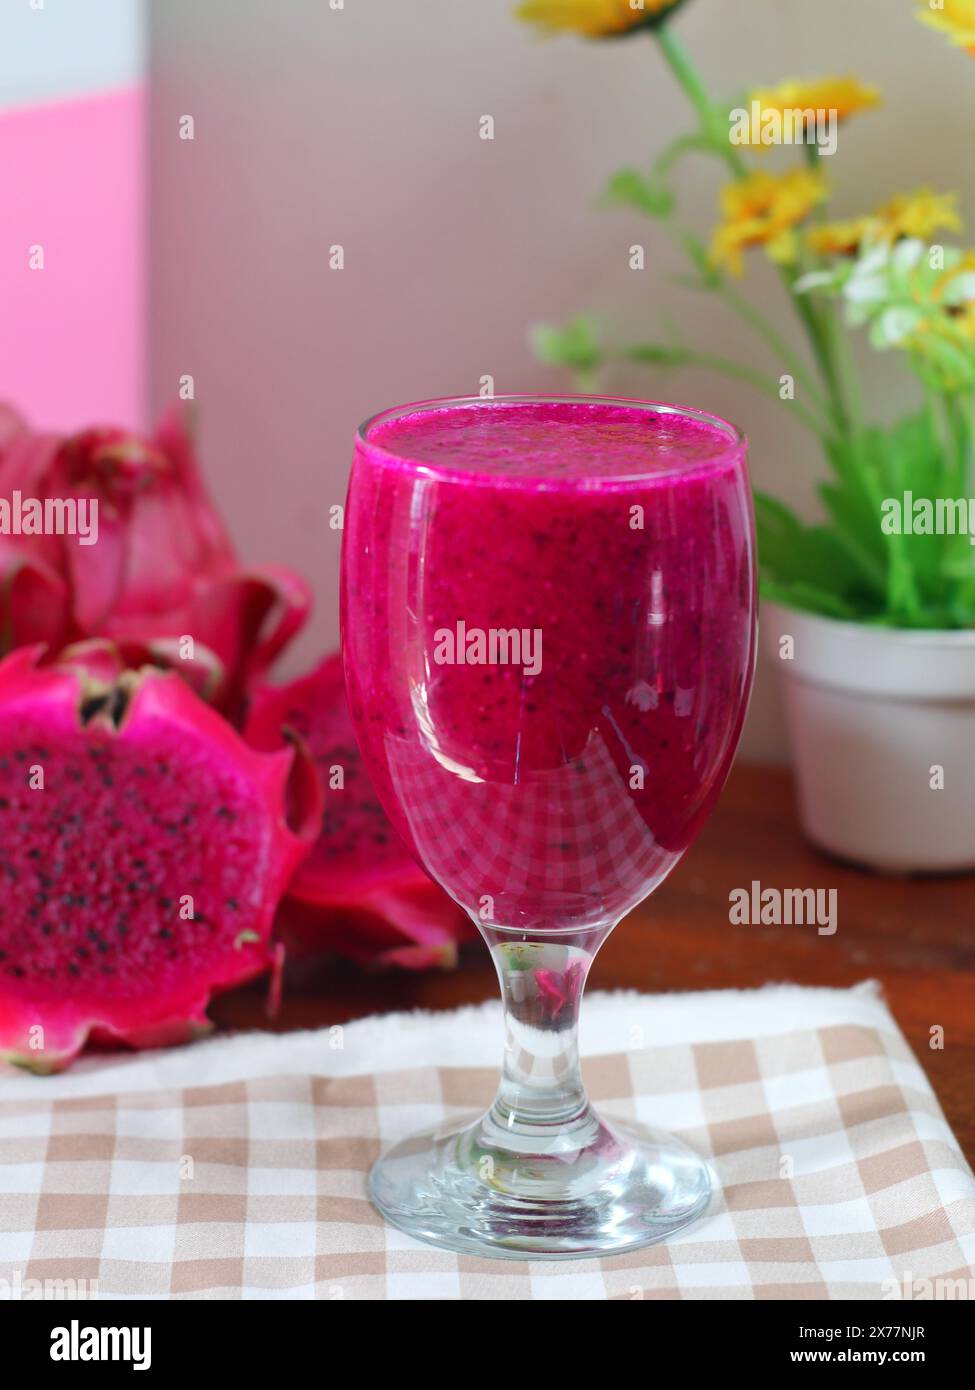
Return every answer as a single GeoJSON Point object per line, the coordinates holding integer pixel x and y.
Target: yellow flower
{"type": "Point", "coordinates": [595, 18]}
{"type": "Point", "coordinates": [763, 210]}
{"type": "Point", "coordinates": [840, 238]}
{"type": "Point", "coordinates": [844, 95]}
{"type": "Point", "coordinates": [956, 18]}
{"type": "Point", "coordinates": [917, 214]}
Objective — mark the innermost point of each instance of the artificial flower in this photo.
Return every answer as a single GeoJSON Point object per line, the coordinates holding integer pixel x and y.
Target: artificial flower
{"type": "Point", "coordinates": [908, 301]}
{"type": "Point", "coordinates": [955, 18]}
{"type": "Point", "coordinates": [596, 19]}
{"type": "Point", "coordinates": [840, 238]}
{"type": "Point", "coordinates": [918, 214]}
{"type": "Point", "coordinates": [764, 210]}
{"type": "Point", "coordinates": [844, 95]}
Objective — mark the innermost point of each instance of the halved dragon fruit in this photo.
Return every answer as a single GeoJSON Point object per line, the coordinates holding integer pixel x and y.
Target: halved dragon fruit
{"type": "Point", "coordinates": [144, 848]}
{"type": "Point", "coordinates": [360, 893]}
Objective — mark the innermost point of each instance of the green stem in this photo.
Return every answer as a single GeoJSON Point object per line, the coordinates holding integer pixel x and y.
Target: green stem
{"type": "Point", "coordinates": [842, 353]}
{"type": "Point", "coordinates": [965, 408]}
{"type": "Point", "coordinates": [745, 311]}
{"type": "Point", "coordinates": [586, 380]}
{"type": "Point", "coordinates": [826, 332]}
{"type": "Point", "coordinates": [823, 346]}
{"type": "Point", "coordinates": [955, 436]}
{"type": "Point", "coordinates": [760, 324]}
{"type": "Point", "coordinates": [727, 366]}
{"type": "Point", "coordinates": [712, 126]}
{"type": "Point", "coordinates": [944, 425]}
{"type": "Point", "coordinates": [709, 117]}
{"type": "Point", "coordinates": [961, 408]}
{"type": "Point", "coordinates": [898, 587]}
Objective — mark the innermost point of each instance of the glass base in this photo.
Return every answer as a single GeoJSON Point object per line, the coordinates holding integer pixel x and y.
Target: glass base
{"type": "Point", "coordinates": [465, 1188]}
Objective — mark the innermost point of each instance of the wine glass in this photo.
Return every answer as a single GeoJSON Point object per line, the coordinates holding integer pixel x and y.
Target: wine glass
{"type": "Point", "coordinates": [548, 618]}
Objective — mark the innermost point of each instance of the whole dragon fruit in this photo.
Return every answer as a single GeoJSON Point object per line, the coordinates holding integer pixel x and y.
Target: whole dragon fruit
{"type": "Point", "coordinates": [162, 569]}
{"type": "Point", "coordinates": [143, 850]}
{"type": "Point", "coordinates": [359, 893]}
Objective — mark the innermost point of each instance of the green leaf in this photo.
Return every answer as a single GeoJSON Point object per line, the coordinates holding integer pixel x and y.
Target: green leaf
{"type": "Point", "coordinates": [575, 346]}
{"type": "Point", "coordinates": [629, 187]}
{"type": "Point", "coordinates": [651, 192]}
{"type": "Point", "coordinates": [793, 553]}
{"type": "Point", "coordinates": [848, 566]}
{"type": "Point", "coordinates": [809, 598]}
{"type": "Point", "coordinates": [658, 354]}
{"type": "Point", "coordinates": [697, 142]}
{"type": "Point", "coordinates": [944, 365]}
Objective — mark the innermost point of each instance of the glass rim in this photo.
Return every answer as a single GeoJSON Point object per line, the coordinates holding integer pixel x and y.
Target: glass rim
{"type": "Point", "coordinates": [735, 452]}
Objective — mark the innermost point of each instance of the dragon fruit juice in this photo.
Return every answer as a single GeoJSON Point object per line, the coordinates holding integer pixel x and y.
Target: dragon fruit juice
{"type": "Point", "coordinates": [548, 635]}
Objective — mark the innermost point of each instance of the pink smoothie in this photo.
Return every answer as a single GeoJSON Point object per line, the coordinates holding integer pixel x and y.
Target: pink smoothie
{"type": "Point", "coordinates": [548, 631]}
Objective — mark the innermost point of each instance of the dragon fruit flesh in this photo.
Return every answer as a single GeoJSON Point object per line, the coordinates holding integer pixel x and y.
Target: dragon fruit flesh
{"type": "Point", "coordinates": [359, 893]}
{"type": "Point", "coordinates": [143, 850]}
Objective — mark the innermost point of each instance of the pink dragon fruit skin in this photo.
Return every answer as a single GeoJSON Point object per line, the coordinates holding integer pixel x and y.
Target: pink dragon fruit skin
{"type": "Point", "coordinates": [142, 874]}
{"type": "Point", "coordinates": [163, 567]}
{"type": "Point", "coordinates": [360, 893]}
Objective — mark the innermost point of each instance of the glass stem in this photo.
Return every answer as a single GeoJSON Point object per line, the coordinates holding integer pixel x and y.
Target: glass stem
{"type": "Point", "coordinates": [541, 1104]}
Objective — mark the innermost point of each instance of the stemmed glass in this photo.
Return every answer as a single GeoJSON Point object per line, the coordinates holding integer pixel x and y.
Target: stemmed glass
{"type": "Point", "coordinates": [548, 629]}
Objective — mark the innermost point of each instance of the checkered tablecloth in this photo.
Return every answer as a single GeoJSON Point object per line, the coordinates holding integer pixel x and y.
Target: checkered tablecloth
{"type": "Point", "coordinates": [236, 1168]}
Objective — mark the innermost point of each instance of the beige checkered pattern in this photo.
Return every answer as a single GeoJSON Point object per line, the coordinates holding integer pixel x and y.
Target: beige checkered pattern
{"type": "Point", "coordinates": [837, 1172]}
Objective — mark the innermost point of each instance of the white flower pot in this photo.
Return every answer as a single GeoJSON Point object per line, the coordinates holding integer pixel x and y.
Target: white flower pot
{"type": "Point", "coordinates": [873, 713]}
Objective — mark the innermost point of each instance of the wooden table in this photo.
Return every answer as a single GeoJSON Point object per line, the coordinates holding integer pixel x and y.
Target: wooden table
{"type": "Point", "coordinates": [916, 936]}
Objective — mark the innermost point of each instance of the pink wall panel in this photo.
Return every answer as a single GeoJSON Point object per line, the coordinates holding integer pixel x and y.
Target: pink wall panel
{"type": "Point", "coordinates": [72, 335]}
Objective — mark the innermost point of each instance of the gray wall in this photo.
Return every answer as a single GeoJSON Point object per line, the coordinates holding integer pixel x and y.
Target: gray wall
{"type": "Point", "coordinates": [360, 127]}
